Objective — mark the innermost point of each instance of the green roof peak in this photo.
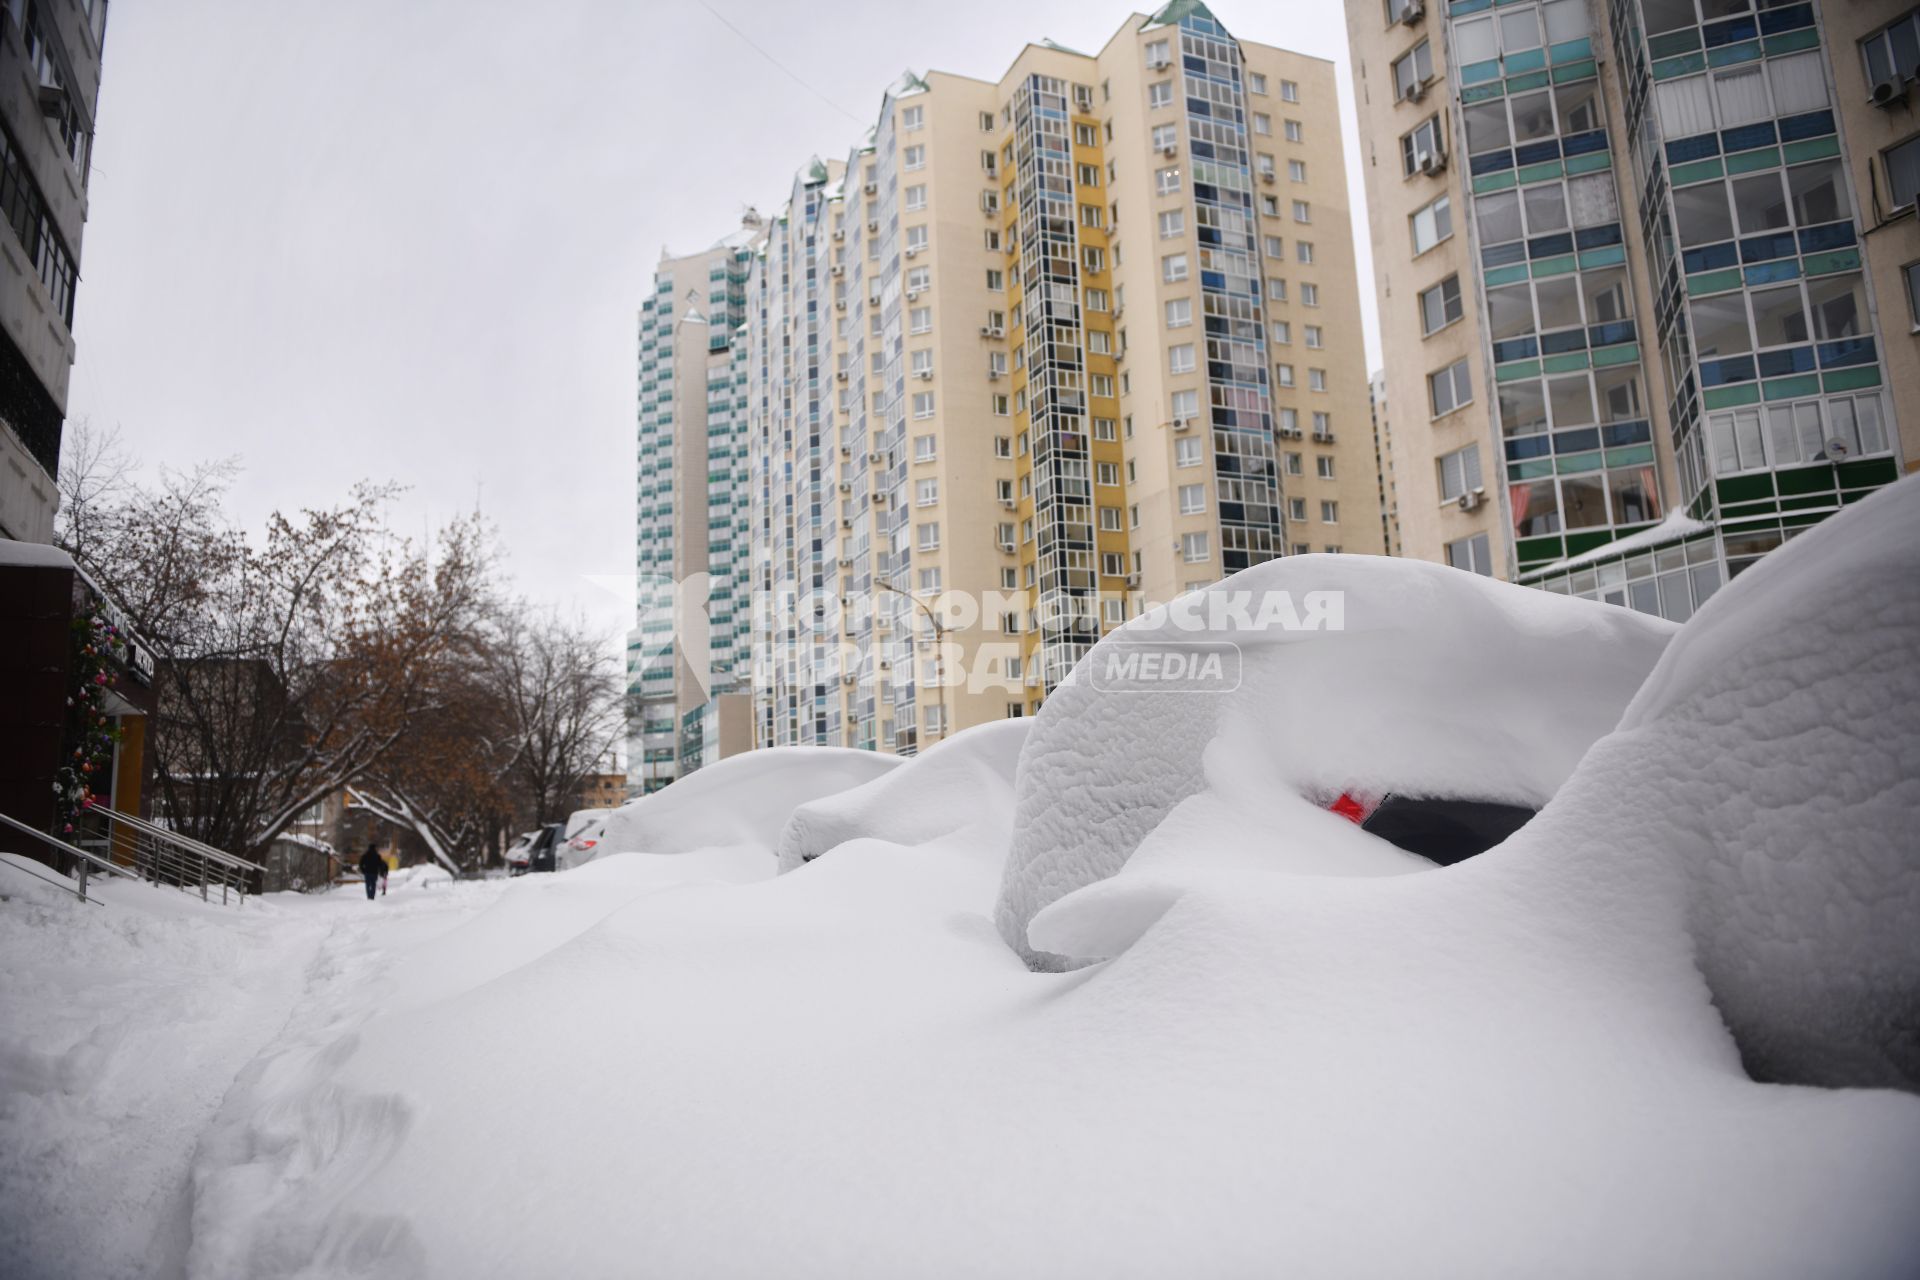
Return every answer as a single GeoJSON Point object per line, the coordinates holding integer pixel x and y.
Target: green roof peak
{"type": "Point", "coordinates": [1178, 9]}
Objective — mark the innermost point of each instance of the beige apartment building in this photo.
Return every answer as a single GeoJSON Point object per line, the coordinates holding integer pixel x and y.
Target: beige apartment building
{"type": "Point", "coordinates": [1048, 349]}
{"type": "Point", "coordinates": [1646, 280]}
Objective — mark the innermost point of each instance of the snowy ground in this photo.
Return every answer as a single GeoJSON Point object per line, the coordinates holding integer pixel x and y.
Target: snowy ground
{"type": "Point", "coordinates": [1109, 993]}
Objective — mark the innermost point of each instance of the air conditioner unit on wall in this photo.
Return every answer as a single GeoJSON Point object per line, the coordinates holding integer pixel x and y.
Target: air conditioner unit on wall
{"type": "Point", "coordinates": [1471, 501]}
{"type": "Point", "coordinates": [1888, 93]}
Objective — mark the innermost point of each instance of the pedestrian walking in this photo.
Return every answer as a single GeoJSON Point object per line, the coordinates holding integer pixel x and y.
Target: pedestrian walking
{"type": "Point", "coordinates": [373, 867]}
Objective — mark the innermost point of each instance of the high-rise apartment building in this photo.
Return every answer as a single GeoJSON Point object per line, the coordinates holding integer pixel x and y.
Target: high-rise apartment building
{"type": "Point", "coordinates": [1047, 349]}
{"type": "Point", "coordinates": [691, 530]}
{"type": "Point", "coordinates": [49, 88]}
{"type": "Point", "coordinates": [1641, 273]}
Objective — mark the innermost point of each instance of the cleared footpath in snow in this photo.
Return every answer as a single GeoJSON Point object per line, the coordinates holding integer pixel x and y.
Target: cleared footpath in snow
{"type": "Point", "coordinates": [123, 1026]}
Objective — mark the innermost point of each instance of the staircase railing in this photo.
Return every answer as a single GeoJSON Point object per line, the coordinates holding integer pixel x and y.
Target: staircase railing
{"type": "Point", "coordinates": [167, 857]}
{"type": "Point", "coordinates": [84, 862]}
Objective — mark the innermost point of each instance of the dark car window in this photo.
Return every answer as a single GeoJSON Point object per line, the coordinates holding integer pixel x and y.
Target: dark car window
{"type": "Point", "coordinates": [1445, 831]}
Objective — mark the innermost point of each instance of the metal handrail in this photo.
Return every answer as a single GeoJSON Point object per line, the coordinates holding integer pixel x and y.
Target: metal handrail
{"type": "Point", "coordinates": [88, 861]}
{"type": "Point", "coordinates": [144, 827]}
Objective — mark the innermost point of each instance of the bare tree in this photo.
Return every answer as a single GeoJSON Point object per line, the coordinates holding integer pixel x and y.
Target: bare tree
{"type": "Point", "coordinates": [562, 693]}
{"type": "Point", "coordinates": [285, 670]}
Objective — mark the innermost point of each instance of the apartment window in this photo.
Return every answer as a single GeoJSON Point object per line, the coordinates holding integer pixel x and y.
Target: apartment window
{"type": "Point", "coordinates": [1323, 466]}
{"type": "Point", "coordinates": [1903, 172]}
{"type": "Point", "coordinates": [1002, 447]}
{"type": "Point", "coordinates": [1101, 384]}
{"type": "Point", "coordinates": [1083, 135]}
{"type": "Point", "coordinates": [923, 404]}
{"type": "Point", "coordinates": [986, 122]}
{"type": "Point", "coordinates": [1302, 211]}
{"type": "Point", "coordinates": [1131, 476]}
{"type": "Point", "coordinates": [920, 320]}
{"type": "Point", "coordinates": [922, 362]}
{"type": "Point", "coordinates": [1274, 247]}
{"type": "Point", "coordinates": [1166, 181]}
{"type": "Point", "coordinates": [912, 118]}
{"type": "Point", "coordinates": [1294, 464]}
{"type": "Point", "coordinates": [997, 364]}
{"type": "Point", "coordinates": [1180, 358]}
{"type": "Point", "coordinates": [1106, 473]}
{"type": "Point", "coordinates": [1179, 312]}
{"type": "Point", "coordinates": [1002, 407]}
{"type": "Point", "coordinates": [1471, 554]}
{"type": "Point", "coordinates": [1110, 519]}
{"type": "Point", "coordinates": [1089, 175]}
{"type": "Point", "coordinates": [927, 536]}
{"type": "Point", "coordinates": [1193, 547]}
{"type": "Point", "coordinates": [1293, 132]}
{"type": "Point", "coordinates": [1263, 124]}
{"type": "Point", "coordinates": [1892, 52]}
{"type": "Point", "coordinates": [1289, 91]}
{"type": "Point", "coordinates": [1193, 499]}
{"type": "Point", "coordinates": [1432, 223]}
{"type": "Point", "coordinates": [1297, 509]}
{"type": "Point", "coordinates": [930, 579]}
{"type": "Point", "coordinates": [926, 492]}
{"type": "Point", "coordinates": [1112, 564]}
{"type": "Point", "coordinates": [1322, 427]}
{"type": "Point", "coordinates": [1412, 71]}
{"type": "Point", "coordinates": [1093, 258]}
{"type": "Point", "coordinates": [1133, 516]}
{"type": "Point", "coordinates": [1329, 511]}
{"type": "Point", "coordinates": [1911, 273]}
{"type": "Point", "coordinates": [1099, 342]}
{"type": "Point", "coordinates": [1256, 82]}
{"type": "Point", "coordinates": [996, 280]}
{"type": "Point", "coordinates": [1289, 423]}
{"type": "Point", "coordinates": [1269, 206]}
{"type": "Point", "coordinates": [1187, 452]}
{"type": "Point", "coordinates": [1459, 472]}
{"type": "Point", "coordinates": [919, 279]}
{"type": "Point", "coordinates": [1316, 379]}
{"type": "Point", "coordinates": [1173, 268]}
{"type": "Point", "coordinates": [993, 241]}
{"type": "Point", "coordinates": [1283, 375]}
{"type": "Point", "coordinates": [1097, 300]}
{"type": "Point", "coordinates": [1283, 333]}
{"type": "Point", "coordinates": [1166, 137]}
{"type": "Point", "coordinates": [1092, 215]}
{"type": "Point", "coordinates": [1160, 93]}
{"type": "Point", "coordinates": [1309, 295]}
{"type": "Point", "coordinates": [916, 239]}
{"type": "Point", "coordinates": [1105, 429]}
{"type": "Point", "coordinates": [1440, 306]}
{"type": "Point", "coordinates": [1303, 250]}
{"type": "Point", "coordinates": [1296, 171]}
{"type": "Point", "coordinates": [1313, 334]}
{"type": "Point", "coordinates": [1449, 388]}
{"type": "Point", "coordinates": [1159, 53]}
{"type": "Point", "coordinates": [1276, 289]}
{"type": "Point", "coordinates": [916, 199]}
{"type": "Point", "coordinates": [915, 156]}
{"type": "Point", "coordinates": [1416, 146]}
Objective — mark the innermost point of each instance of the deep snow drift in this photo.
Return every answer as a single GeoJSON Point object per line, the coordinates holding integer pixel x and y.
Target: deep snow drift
{"type": "Point", "coordinates": [1291, 1048]}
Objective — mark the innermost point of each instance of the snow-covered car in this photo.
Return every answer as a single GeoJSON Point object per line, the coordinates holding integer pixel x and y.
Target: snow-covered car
{"type": "Point", "coordinates": [520, 853]}
{"type": "Point", "coordinates": [584, 846]}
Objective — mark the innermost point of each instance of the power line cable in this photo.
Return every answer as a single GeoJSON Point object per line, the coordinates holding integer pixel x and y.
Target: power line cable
{"type": "Point", "coordinates": [722, 20]}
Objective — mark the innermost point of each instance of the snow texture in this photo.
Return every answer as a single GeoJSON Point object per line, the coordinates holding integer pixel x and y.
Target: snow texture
{"type": "Point", "coordinates": [1441, 683]}
{"type": "Point", "coordinates": [1302, 1053]}
{"type": "Point", "coordinates": [743, 800]}
{"type": "Point", "coordinates": [34, 555]}
{"type": "Point", "coordinates": [962, 786]}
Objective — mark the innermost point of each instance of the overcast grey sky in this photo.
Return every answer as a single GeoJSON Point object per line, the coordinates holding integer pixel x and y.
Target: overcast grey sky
{"type": "Point", "coordinates": [406, 239]}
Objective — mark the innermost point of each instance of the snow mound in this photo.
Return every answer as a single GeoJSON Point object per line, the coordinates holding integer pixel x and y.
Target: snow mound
{"type": "Point", "coordinates": [1774, 754]}
{"type": "Point", "coordinates": [963, 785]}
{"type": "Point", "coordinates": [1434, 683]}
{"type": "Point", "coordinates": [743, 800]}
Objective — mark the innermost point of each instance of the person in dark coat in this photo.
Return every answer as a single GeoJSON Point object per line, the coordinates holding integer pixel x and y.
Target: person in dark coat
{"type": "Point", "coordinates": [373, 867]}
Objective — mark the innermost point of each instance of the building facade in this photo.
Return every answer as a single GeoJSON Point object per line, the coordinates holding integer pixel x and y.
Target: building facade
{"type": "Point", "coordinates": [1622, 254]}
{"type": "Point", "coordinates": [49, 89]}
{"type": "Point", "coordinates": [1041, 351]}
{"type": "Point", "coordinates": [689, 643]}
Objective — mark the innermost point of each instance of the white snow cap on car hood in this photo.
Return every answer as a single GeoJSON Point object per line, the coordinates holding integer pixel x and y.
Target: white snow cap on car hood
{"type": "Point", "coordinates": [1436, 683]}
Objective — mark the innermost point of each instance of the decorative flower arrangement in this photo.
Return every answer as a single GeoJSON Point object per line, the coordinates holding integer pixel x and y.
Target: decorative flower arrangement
{"type": "Point", "coordinates": [91, 734]}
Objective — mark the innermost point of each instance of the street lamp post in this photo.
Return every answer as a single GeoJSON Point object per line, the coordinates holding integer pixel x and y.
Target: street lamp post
{"type": "Point", "coordinates": [939, 647]}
